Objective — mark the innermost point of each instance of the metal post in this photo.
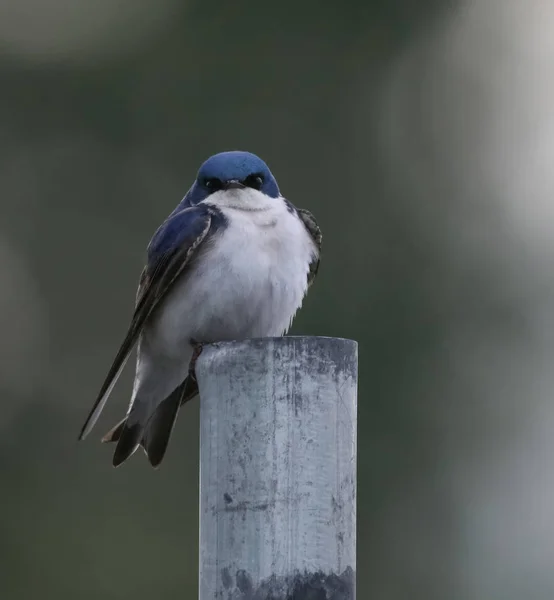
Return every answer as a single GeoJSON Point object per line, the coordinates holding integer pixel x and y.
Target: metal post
{"type": "Point", "coordinates": [278, 469]}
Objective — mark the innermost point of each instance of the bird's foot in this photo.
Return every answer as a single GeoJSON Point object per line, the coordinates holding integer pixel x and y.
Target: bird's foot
{"type": "Point", "coordinates": [196, 352]}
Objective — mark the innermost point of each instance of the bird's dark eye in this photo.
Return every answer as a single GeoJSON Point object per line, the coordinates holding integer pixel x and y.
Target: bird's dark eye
{"type": "Point", "coordinates": [254, 181]}
{"type": "Point", "coordinates": [213, 184]}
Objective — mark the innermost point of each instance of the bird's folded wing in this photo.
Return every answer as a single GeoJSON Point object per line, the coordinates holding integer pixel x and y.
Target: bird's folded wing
{"type": "Point", "coordinates": [169, 254]}
{"type": "Point", "coordinates": [315, 232]}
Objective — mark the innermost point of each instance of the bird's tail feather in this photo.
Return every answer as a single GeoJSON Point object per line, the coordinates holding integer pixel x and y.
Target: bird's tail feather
{"type": "Point", "coordinates": [114, 433]}
{"type": "Point", "coordinates": [128, 442]}
{"type": "Point", "coordinates": [154, 434]}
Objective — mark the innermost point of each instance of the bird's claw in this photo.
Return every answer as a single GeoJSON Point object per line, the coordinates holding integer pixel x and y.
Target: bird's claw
{"type": "Point", "coordinates": [196, 352]}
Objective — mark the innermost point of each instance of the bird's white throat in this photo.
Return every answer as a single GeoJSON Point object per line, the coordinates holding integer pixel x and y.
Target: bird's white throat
{"type": "Point", "coordinates": [246, 199]}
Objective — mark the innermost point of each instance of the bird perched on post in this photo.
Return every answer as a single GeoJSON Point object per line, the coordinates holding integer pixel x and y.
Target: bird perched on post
{"type": "Point", "coordinates": [234, 260]}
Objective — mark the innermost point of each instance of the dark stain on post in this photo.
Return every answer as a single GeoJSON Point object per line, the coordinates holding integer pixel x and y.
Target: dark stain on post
{"type": "Point", "coordinates": [245, 505]}
{"type": "Point", "coordinates": [227, 498]}
{"type": "Point", "coordinates": [244, 584]}
{"type": "Point", "coordinates": [300, 586]}
{"type": "Point", "coordinates": [226, 578]}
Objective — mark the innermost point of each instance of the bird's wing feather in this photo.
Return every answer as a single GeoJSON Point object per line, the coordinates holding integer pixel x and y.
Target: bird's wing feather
{"type": "Point", "coordinates": [171, 250]}
{"type": "Point", "coordinates": [315, 232]}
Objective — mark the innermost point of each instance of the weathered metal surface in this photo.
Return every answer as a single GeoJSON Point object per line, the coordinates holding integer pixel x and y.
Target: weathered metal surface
{"type": "Point", "coordinates": [278, 469]}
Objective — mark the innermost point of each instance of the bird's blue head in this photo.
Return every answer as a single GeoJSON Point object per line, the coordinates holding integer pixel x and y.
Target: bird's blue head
{"type": "Point", "coordinates": [232, 170]}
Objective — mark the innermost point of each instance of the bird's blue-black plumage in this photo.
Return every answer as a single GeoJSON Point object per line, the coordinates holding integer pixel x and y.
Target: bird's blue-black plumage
{"type": "Point", "coordinates": [227, 166]}
{"type": "Point", "coordinates": [181, 227]}
{"type": "Point", "coordinates": [169, 253]}
{"type": "Point", "coordinates": [239, 165]}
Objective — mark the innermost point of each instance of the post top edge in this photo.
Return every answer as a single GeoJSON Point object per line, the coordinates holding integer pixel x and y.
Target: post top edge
{"type": "Point", "coordinates": [283, 339]}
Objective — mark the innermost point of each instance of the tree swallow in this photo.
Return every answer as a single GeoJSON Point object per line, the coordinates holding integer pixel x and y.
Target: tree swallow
{"type": "Point", "coordinates": [234, 260]}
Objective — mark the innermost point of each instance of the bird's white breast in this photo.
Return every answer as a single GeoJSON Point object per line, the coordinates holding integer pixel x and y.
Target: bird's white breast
{"type": "Point", "coordinates": [249, 281]}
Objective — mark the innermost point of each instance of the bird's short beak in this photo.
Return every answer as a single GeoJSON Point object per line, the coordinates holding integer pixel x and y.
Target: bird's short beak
{"type": "Point", "coordinates": [233, 184]}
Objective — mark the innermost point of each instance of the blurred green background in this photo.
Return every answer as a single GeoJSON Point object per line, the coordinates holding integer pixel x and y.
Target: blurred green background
{"type": "Point", "coordinates": [421, 135]}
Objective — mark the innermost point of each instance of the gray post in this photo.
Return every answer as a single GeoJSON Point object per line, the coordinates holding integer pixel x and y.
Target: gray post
{"type": "Point", "coordinates": [278, 469]}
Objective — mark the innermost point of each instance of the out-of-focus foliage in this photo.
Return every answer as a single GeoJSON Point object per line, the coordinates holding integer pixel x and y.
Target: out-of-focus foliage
{"type": "Point", "coordinates": [421, 136]}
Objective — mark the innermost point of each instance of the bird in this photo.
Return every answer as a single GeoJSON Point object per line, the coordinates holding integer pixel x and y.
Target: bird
{"type": "Point", "coordinates": [234, 260]}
